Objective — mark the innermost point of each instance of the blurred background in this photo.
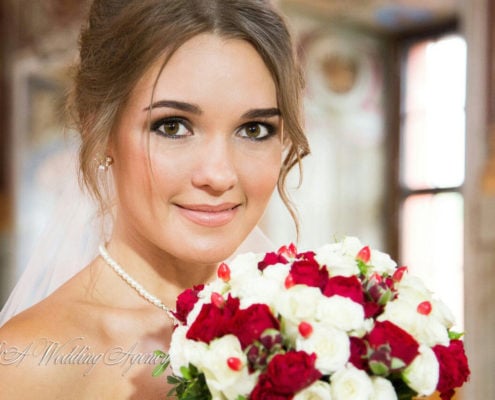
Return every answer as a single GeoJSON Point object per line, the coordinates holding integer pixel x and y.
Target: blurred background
{"type": "Point", "coordinates": [399, 114]}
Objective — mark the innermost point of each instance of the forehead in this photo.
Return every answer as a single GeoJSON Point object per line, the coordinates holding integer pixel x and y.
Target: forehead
{"type": "Point", "coordinates": [208, 68]}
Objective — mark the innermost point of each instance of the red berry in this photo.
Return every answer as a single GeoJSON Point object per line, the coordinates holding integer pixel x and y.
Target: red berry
{"type": "Point", "coordinates": [399, 273]}
{"type": "Point", "coordinates": [289, 281]}
{"type": "Point", "coordinates": [223, 272]}
{"type": "Point", "coordinates": [292, 250]}
{"type": "Point", "coordinates": [364, 254]}
{"type": "Point", "coordinates": [424, 308]}
{"type": "Point", "coordinates": [376, 278]}
{"type": "Point", "coordinates": [217, 300]}
{"type": "Point", "coordinates": [305, 329]}
{"type": "Point", "coordinates": [289, 252]}
{"type": "Point", "coordinates": [234, 363]}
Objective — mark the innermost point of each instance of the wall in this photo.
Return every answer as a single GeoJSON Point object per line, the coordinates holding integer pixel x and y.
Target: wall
{"type": "Point", "coordinates": [345, 125]}
{"type": "Point", "coordinates": [480, 204]}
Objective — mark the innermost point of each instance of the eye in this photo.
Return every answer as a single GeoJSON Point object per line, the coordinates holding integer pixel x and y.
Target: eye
{"type": "Point", "coordinates": [171, 127]}
{"type": "Point", "coordinates": [256, 131]}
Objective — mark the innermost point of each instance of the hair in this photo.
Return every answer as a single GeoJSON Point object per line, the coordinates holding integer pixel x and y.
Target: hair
{"type": "Point", "coordinates": [123, 38]}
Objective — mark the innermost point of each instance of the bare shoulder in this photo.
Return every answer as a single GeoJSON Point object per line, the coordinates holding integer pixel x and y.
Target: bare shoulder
{"type": "Point", "coordinates": [71, 343]}
{"type": "Point", "coordinates": [31, 345]}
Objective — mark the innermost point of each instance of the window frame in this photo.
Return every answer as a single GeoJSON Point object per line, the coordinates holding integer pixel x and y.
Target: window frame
{"type": "Point", "coordinates": [397, 193]}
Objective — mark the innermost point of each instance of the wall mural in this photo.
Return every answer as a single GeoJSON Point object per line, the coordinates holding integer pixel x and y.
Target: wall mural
{"type": "Point", "coordinates": [343, 188]}
{"type": "Point", "coordinates": [42, 44]}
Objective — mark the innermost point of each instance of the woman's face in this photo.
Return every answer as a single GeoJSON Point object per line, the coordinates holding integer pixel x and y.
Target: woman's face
{"type": "Point", "coordinates": [195, 179]}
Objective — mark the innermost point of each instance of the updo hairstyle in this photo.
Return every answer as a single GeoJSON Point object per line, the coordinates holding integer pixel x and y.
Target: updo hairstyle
{"type": "Point", "coordinates": [123, 38]}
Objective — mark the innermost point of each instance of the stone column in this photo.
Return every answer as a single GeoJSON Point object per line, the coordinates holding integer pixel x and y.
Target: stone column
{"type": "Point", "coordinates": [478, 20]}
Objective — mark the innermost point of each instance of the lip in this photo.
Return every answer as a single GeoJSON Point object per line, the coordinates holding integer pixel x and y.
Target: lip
{"type": "Point", "coordinates": [210, 215]}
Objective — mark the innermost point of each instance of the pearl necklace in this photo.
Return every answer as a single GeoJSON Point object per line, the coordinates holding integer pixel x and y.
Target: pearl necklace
{"type": "Point", "coordinates": [133, 283]}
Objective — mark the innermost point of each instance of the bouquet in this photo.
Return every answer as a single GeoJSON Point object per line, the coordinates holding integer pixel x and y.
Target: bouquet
{"type": "Point", "coordinates": [340, 323]}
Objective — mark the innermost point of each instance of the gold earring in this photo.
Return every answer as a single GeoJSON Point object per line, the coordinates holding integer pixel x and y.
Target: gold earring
{"type": "Point", "coordinates": [105, 163]}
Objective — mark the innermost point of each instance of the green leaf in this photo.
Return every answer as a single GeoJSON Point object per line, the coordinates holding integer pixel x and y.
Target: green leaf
{"type": "Point", "coordinates": [455, 335]}
{"type": "Point", "coordinates": [404, 392]}
{"type": "Point", "coordinates": [192, 386]}
{"type": "Point", "coordinates": [160, 354]}
{"type": "Point", "coordinates": [379, 368]}
{"type": "Point", "coordinates": [363, 268]}
{"type": "Point", "coordinates": [160, 368]}
{"type": "Point", "coordinates": [385, 297]}
{"type": "Point", "coordinates": [186, 373]}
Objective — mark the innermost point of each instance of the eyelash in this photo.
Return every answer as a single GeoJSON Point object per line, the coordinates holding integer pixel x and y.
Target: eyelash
{"type": "Point", "coordinates": [271, 130]}
{"type": "Point", "coordinates": [155, 127]}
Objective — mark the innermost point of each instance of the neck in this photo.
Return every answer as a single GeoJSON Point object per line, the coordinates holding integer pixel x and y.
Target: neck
{"type": "Point", "coordinates": [161, 274]}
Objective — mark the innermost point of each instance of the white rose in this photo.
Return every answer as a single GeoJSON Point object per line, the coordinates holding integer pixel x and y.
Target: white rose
{"type": "Point", "coordinates": [277, 274]}
{"type": "Point", "coordinates": [351, 246]}
{"type": "Point", "coordinates": [382, 262]}
{"type": "Point", "coordinates": [319, 390]}
{"type": "Point", "coordinates": [382, 389]}
{"type": "Point", "coordinates": [340, 312]}
{"type": "Point", "coordinates": [331, 346]}
{"type": "Point", "coordinates": [413, 290]}
{"type": "Point", "coordinates": [246, 263]}
{"type": "Point", "coordinates": [367, 327]}
{"type": "Point", "coordinates": [426, 329]}
{"type": "Point", "coordinates": [220, 378]}
{"type": "Point", "coordinates": [243, 269]}
{"type": "Point", "coordinates": [443, 314]}
{"type": "Point", "coordinates": [336, 260]}
{"type": "Point", "coordinates": [299, 303]}
{"type": "Point", "coordinates": [423, 373]}
{"type": "Point", "coordinates": [351, 383]}
{"type": "Point", "coordinates": [267, 288]}
{"type": "Point", "coordinates": [184, 351]}
{"type": "Point", "coordinates": [176, 353]}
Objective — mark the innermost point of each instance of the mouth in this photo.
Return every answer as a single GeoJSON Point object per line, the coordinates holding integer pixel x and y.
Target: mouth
{"type": "Point", "coordinates": [209, 215]}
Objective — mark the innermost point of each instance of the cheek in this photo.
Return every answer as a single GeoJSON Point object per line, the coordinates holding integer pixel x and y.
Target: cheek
{"type": "Point", "coordinates": [131, 169]}
{"type": "Point", "coordinates": [259, 177]}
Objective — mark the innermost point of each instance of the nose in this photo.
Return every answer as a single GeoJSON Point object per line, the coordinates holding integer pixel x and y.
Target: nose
{"type": "Point", "coordinates": [215, 169]}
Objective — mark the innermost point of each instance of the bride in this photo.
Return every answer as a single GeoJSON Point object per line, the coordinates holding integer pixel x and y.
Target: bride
{"type": "Point", "coordinates": [191, 111]}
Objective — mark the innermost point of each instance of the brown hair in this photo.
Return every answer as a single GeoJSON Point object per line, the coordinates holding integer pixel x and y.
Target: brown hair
{"type": "Point", "coordinates": [123, 38]}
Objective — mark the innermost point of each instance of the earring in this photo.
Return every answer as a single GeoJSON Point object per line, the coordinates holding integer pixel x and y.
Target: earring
{"type": "Point", "coordinates": [105, 163]}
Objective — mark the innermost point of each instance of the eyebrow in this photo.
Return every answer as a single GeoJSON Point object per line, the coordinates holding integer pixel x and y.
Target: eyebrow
{"type": "Point", "coordinates": [261, 113]}
{"type": "Point", "coordinates": [195, 109]}
{"type": "Point", "coordinates": [178, 105]}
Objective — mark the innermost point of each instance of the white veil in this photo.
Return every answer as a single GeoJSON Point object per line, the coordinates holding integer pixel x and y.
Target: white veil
{"type": "Point", "coordinates": [67, 244]}
{"type": "Point", "coordinates": [70, 242]}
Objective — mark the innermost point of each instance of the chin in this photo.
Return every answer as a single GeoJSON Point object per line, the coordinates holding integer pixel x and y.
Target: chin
{"type": "Point", "coordinates": [210, 251]}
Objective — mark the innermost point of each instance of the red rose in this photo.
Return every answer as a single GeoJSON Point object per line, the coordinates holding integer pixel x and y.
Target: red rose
{"type": "Point", "coordinates": [402, 344]}
{"type": "Point", "coordinates": [308, 256]}
{"type": "Point", "coordinates": [359, 351]}
{"type": "Point", "coordinates": [372, 309]}
{"type": "Point", "coordinates": [213, 322]}
{"type": "Point", "coordinates": [264, 390]}
{"type": "Point", "coordinates": [286, 375]}
{"type": "Point", "coordinates": [349, 287]}
{"type": "Point", "coordinates": [454, 368]}
{"type": "Point", "coordinates": [308, 272]}
{"type": "Point", "coordinates": [185, 302]}
{"type": "Point", "coordinates": [271, 259]}
{"type": "Point", "coordinates": [249, 324]}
